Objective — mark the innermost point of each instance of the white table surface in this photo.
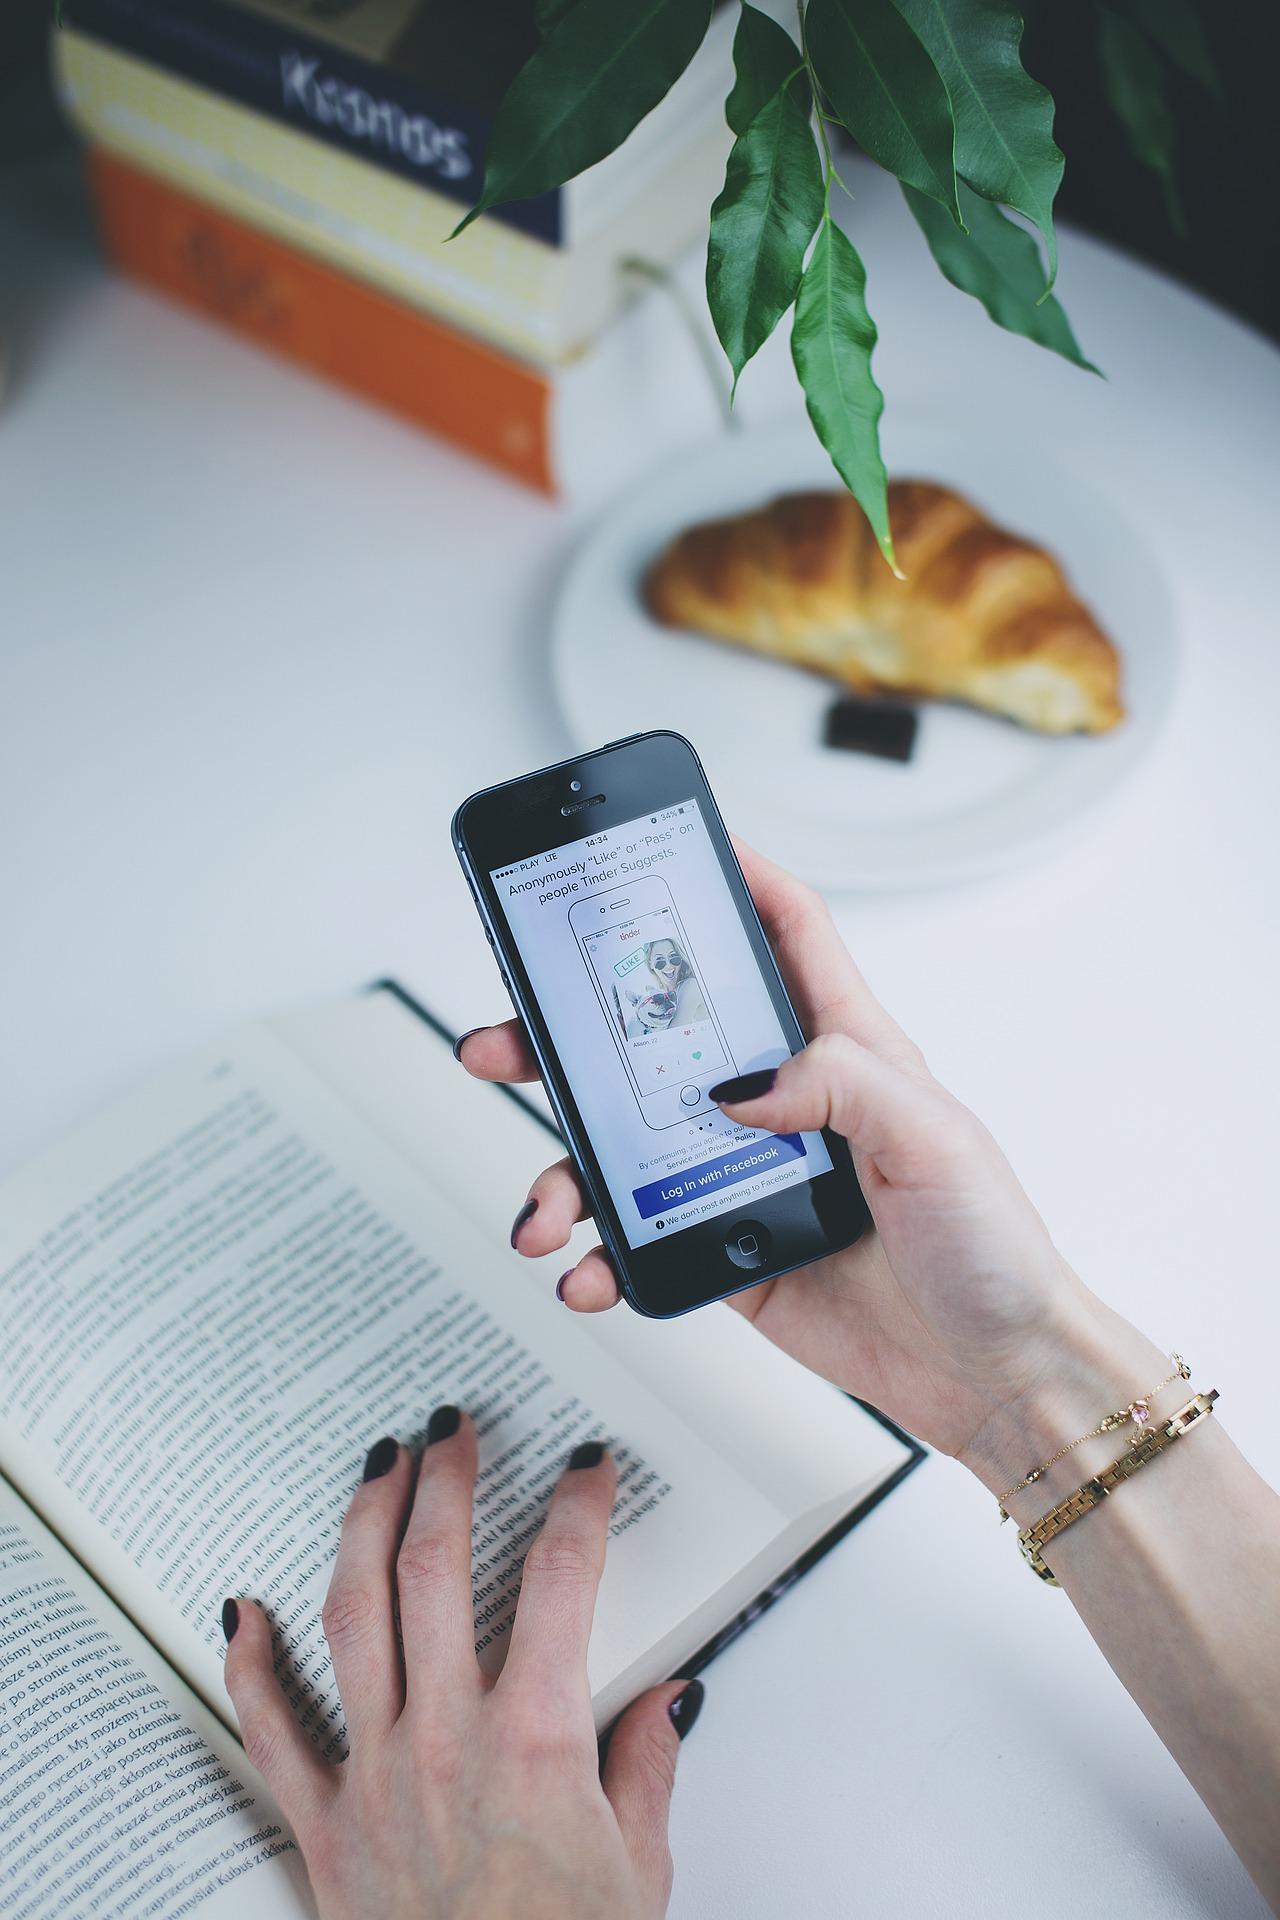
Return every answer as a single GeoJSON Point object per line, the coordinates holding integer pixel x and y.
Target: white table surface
{"type": "Point", "coordinates": [256, 640]}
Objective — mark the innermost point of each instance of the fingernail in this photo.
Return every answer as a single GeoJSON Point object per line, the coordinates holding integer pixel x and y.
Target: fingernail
{"type": "Point", "coordinates": [443, 1424]}
{"type": "Point", "coordinates": [589, 1454]}
{"type": "Point", "coordinates": [686, 1707]}
{"type": "Point", "coordinates": [230, 1619]}
{"type": "Point", "coordinates": [525, 1214]}
{"type": "Point", "coordinates": [747, 1086]}
{"type": "Point", "coordinates": [560, 1284]}
{"type": "Point", "coordinates": [462, 1040]}
{"type": "Point", "coordinates": [380, 1458]}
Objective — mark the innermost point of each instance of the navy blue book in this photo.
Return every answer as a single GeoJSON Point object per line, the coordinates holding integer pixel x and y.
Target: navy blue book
{"type": "Point", "coordinates": [408, 87]}
{"type": "Point", "coordinates": [411, 86]}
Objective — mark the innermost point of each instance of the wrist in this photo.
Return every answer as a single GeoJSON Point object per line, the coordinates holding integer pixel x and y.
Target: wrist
{"type": "Point", "coordinates": [1087, 1362]}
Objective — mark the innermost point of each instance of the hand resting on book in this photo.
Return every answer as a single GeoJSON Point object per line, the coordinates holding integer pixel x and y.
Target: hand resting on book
{"type": "Point", "coordinates": [466, 1798]}
{"type": "Point", "coordinates": [960, 1319]}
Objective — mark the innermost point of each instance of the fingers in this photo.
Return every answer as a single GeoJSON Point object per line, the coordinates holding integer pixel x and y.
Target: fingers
{"type": "Point", "coordinates": [359, 1609]}
{"type": "Point", "coordinates": [639, 1774]}
{"type": "Point", "coordinates": [273, 1740]}
{"type": "Point", "coordinates": [553, 1209]}
{"type": "Point", "coordinates": [498, 1053]}
{"type": "Point", "coordinates": [433, 1568]}
{"type": "Point", "coordinates": [829, 993]}
{"type": "Point", "coordinates": [555, 1206]}
{"type": "Point", "coordinates": [591, 1286]}
{"type": "Point", "coordinates": [548, 1655]}
{"type": "Point", "coordinates": [913, 1131]}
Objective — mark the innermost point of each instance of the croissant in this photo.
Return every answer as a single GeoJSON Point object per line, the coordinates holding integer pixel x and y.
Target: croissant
{"type": "Point", "coordinates": [982, 615]}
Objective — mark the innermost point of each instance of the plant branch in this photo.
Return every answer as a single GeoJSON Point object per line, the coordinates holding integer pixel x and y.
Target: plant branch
{"type": "Point", "coordinates": [653, 275]}
{"type": "Point", "coordinates": [828, 165]}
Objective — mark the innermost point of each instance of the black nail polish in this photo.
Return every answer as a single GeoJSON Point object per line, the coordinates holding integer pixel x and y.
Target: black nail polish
{"type": "Point", "coordinates": [560, 1284]}
{"type": "Point", "coordinates": [462, 1040]}
{"type": "Point", "coordinates": [747, 1086]}
{"type": "Point", "coordinates": [588, 1454]}
{"type": "Point", "coordinates": [443, 1424]}
{"type": "Point", "coordinates": [230, 1619]}
{"type": "Point", "coordinates": [380, 1458]}
{"type": "Point", "coordinates": [686, 1707]}
{"type": "Point", "coordinates": [525, 1214]}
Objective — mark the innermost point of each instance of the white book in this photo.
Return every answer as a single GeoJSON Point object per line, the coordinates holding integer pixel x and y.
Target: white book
{"type": "Point", "coordinates": [213, 1299]}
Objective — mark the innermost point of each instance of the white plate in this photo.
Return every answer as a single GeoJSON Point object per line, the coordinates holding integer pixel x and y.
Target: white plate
{"type": "Point", "coordinates": [979, 793]}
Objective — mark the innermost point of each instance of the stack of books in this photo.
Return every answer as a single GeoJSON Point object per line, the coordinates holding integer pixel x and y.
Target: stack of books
{"type": "Point", "coordinates": [295, 167]}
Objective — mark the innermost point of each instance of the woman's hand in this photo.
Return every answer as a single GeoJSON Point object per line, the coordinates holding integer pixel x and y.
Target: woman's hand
{"type": "Point", "coordinates": [463, 1797]}
{"type": "Point", "coordinates": [957, 1317]}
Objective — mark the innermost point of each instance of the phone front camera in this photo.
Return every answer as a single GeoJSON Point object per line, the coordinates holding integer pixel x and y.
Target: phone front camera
{"type": "Point", "coordinates": [575, 786]}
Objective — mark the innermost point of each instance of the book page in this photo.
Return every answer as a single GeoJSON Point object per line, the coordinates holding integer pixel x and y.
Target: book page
{"type": "Point", "coordinates": [214, 1299]}
{"type": "Point", "coordinates": [798, 1439]}
{"type": "Point", "coordinates": [122, 1795]}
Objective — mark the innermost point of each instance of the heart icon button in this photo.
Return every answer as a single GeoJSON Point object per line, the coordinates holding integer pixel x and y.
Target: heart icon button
{"type": "Point", "coordinates": [697, 1054]}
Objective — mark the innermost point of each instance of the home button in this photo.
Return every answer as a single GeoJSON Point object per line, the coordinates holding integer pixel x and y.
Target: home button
{"type": "Point", "coordinates": [747, 1244]}
{"type": "Point", "coordinates": [690, 1096]}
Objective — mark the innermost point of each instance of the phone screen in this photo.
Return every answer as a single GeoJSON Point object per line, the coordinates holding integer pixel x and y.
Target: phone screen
{"type": "Point", "coordinates": [652, 994]}
{"type": "Point", "coordinates": [650, 989]}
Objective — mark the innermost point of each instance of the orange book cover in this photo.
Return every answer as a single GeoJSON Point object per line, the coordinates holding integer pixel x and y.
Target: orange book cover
{"type": "Point", "coordinates": [429, 373]}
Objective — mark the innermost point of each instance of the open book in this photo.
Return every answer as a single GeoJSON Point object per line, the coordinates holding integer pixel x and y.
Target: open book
{"type": "Point", "coordinates": [212, 1301]}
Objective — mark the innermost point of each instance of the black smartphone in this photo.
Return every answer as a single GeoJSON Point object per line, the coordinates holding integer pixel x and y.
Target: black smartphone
{"type": "Point", "coordinates": [631, 948]}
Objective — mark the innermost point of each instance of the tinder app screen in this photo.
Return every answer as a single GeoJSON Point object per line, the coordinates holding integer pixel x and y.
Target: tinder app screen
{"type": "Point", "coordinates": [649, 989]}
{"type": "Point", "coordinates": [648, 983]}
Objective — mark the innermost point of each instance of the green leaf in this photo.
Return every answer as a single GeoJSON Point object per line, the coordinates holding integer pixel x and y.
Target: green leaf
{"type": "Point", "coordinates": [1133, 81]}
{"type": "Point", "coordinates": [761, 226]}
{"type": "Point", "coordinates": [1175, 27]}
{"type": "Point", "coordinates": [883, 84]}
{"type": "Point", "coordinates": [998, 262]}
{"type": "Point", "coordinates": [1004, 119]}
{"type": "Point", "coordinates": [831, 342]}
{"type": "Point", "coordinates": [579, 94]}
{"type": "Point", "coordinates": [764, 55]}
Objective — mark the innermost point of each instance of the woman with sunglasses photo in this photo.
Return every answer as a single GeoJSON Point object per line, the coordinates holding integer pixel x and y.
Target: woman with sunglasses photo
{"type": "Point", "coordinates": [667, 964]}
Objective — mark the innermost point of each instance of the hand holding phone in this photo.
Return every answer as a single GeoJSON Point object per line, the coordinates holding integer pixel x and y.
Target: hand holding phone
{"type": "Point", "coordinates": [950, 1316]}
{"type": "Point", "coordinates": [629, 943]}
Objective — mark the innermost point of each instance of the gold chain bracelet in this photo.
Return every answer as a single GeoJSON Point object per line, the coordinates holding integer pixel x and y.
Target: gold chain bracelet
{"type": "Point", "coordinates": [1138, 1411]}
{"type": "Point", "coordinates": [1094, 1492]}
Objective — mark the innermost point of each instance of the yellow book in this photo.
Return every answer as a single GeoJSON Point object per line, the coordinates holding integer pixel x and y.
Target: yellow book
{"type": "Point", "coordinates": [542, 302]}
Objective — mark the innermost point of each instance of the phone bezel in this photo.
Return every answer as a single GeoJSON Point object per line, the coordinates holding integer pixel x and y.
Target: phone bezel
{"type": "Point", "coordinates": [519, 818]}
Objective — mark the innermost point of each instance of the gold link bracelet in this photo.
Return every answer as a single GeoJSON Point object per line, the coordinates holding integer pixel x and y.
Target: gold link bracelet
{"type": "Point", "coordinates": [1095, 1491]}
{"type": "Point", "coordinates": [1137, 1411]}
